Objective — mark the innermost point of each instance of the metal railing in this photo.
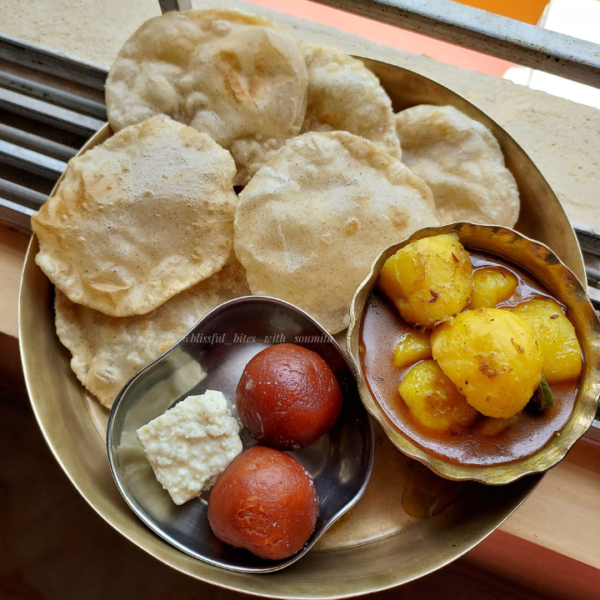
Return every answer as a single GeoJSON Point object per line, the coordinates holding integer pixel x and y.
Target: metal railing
{"type": "Point", "coordinates": [486, 32]}
{"type": "Point", "coordinates": [49, 106]}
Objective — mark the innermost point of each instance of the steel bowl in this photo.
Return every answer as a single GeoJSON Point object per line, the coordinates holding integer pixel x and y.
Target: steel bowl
{"type": "Point", "coordinates": [545, 266]}
{"type": "Point", "coordinates": [378, 544]}
{"type": "Point", "coordinates": [212, 356]}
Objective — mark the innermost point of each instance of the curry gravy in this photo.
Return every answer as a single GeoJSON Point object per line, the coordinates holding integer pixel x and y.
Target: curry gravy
{"type": "Point", "coordinates": [382, 327]}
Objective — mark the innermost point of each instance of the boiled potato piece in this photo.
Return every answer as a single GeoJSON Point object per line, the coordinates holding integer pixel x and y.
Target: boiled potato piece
{"type": "Point", "coordinates": [428, 280]}
{"type": "Point", "coordinates": [557, 338]}
{"type": "Point", "coordinates": [411, 348]}
{"type": "Point", "coordinates": [491, 285]}
{"type": "Point", "coordinates": [433, 399]}
{"type": "Point", "coordinates": [493, 358]}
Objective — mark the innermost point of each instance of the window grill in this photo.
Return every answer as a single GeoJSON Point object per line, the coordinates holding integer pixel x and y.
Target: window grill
{"type": "Point", "coordinates": [49, 106]}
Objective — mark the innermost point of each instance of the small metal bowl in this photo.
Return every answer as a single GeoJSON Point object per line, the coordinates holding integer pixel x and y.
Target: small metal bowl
{"type": "Point", "coordinates": [212, 356]}
{"type": "Point", "coordinates": [540, 262]}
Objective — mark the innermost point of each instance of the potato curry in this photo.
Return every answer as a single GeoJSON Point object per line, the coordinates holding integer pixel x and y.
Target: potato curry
{"type": "Point", "coordinates": [468, 356]}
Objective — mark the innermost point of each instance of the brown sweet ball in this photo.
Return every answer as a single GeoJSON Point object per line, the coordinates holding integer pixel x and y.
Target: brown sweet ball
{"type": "Point", "coordinates": [265, 502]}
{"type": "Point", "coordinates": [288, 397]}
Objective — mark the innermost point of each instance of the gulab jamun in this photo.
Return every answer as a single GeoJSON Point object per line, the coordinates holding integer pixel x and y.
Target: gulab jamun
{"type": "Point", "coordinates": [265, 502]}
{"type": "Point", "coordinates": [288, 397]}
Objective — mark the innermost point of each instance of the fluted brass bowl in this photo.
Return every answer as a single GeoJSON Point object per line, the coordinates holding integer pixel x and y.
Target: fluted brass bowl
{"type": "Point", "coordinates": [537, 260]}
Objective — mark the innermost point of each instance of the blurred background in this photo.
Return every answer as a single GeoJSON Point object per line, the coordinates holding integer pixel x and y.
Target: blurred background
{"type": "Point", "coordinates": [578, 18]}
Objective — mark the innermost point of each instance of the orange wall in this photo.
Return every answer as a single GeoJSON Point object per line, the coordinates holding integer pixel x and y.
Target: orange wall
{"type": "Point", "coordinates": [528, 11]}
{"type": "Point", "coordinates": [389, 35]}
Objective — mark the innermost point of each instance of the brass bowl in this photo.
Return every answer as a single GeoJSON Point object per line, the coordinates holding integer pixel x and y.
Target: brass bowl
{"type": "Point", "coordinates": [537, 260]}
{"type": "Point", "coordinates": [377, 545]}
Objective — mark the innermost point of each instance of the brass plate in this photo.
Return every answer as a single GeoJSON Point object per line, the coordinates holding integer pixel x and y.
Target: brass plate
{"type": "Point", "coordinates": [377, 545]}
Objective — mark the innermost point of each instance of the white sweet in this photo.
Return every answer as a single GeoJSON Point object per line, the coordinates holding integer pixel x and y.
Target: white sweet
{"type": "Point", "coordinates": [191, 444]}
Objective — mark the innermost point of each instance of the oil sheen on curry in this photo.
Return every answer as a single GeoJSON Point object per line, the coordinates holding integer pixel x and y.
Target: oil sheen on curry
{"type": "Point", "coordinates": [468, 356]}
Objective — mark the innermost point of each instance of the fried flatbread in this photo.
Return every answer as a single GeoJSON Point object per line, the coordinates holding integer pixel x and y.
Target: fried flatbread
{"type": "Point", "coordinates": [138, 219]}
{"type": "Point", "coordinates": [312, 220]}
{"type": "Point", "coordinates": [343, 95]}
{"type": "Point", "coordinates": [108, 351]}
{"type": "Point", "coordinates": [239, 78]}
{"type": "Point", "coordinates": [462, 163]}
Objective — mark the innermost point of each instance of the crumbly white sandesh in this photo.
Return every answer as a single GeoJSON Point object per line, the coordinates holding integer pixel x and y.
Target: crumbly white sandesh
{"type": "Point", "coordinates": [344, 95]}
{"type": "Point", "coordinates": [237, 77]}
{"type": "Point", "coordinates": [191, 444]}
{"type": "Point", "coordinates": [108, 351]}
{"type": "Point", "coordinates": [312, 220]}
{"type": "Point", "coordinates": [462, 163]}
{"type": "Point", "coordinates": [139, 218]}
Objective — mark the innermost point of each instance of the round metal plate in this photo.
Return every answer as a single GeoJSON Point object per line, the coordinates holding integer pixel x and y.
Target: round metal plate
{"type": "Point", "coordinates": [375, 546]}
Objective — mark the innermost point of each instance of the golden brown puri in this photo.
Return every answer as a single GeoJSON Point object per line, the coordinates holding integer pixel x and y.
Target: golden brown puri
{"type": "Point", "coordinates": [239, 78]}
{"type": "Point", "coordinates": [108, 351]}
{"type": "Point", "coordinates": [139, 218]}
{"type": "Point", "coordinates": [311, 221]}
{"type": "Point", "coordinates": [343, 95]}
{"type": "Point", "coordinates": [462, 163]}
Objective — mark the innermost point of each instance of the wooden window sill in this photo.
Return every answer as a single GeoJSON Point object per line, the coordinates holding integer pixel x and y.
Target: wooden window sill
{"type": "Point", "coordinates": [13, 245]}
